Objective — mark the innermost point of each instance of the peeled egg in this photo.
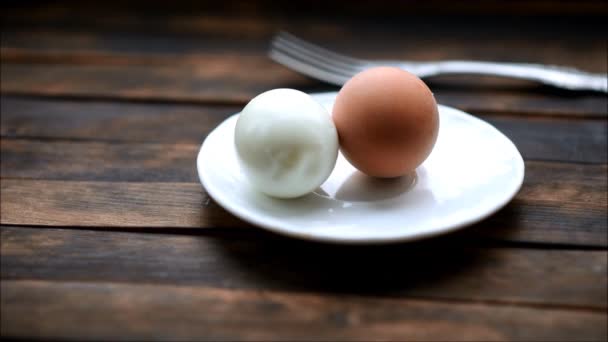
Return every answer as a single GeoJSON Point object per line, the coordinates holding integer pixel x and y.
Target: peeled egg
{"type": "Point", "coordinates": [286, 143]}
{"type": "Point", "coordinates": [387, 121]}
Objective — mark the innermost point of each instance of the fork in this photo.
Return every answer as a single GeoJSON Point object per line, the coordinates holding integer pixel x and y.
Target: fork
{"type": "Point", "coordinates": [332, 67]}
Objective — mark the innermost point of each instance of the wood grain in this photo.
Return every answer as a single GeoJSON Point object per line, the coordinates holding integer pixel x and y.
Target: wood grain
{"type": "Point", "coordinates": [221, 80]}
{"type": "Point", "coordinates": [559, 203]}
{"type": "Point", "coordinates": [117, 162]}
{"type": "Point", "coordinates": [537, 138]}
{"type": "Point", "coordinates": [459, 272]}
{"type": "Point", "coordinates": [556, 139]}
{"type": "Point", "coordinates": [398, 42]}
{"type": "Point", "coordinates": [215, 81]}
{"type": "Point", "coordinates": [112, 204]}
{"type": "Point", "coordinates": [107, 234]}
{"type": "Point", "coordinates": [336, 22]}
{"type": "Point", "coordinates": [63, 310]}
{"type": "Point", "coordinates": [219, 54]}
{"type": "Point", "coordinates": [110, 121]}
{"type": "Point", "coordinates": [119, 159]}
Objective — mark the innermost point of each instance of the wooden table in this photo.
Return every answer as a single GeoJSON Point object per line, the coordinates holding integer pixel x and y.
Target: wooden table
{"type": "Point", "coordinates": [107, 233]}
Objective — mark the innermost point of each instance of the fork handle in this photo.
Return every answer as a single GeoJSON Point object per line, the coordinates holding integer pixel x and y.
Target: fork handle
{"type": "Point", "coordinates": [553, 75]}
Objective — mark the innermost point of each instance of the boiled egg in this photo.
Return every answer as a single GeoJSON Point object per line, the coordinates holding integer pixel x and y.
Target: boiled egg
{"type": "Point", "coordinates": [286, 142]}
{"type": "Point", "coordinates": [387, 120]}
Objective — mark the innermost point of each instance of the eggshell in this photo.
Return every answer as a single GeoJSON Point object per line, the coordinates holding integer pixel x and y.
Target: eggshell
{"type": "Point", "coordinates": [387, 121]}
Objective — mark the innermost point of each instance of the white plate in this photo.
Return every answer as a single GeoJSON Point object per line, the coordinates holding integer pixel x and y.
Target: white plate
{"type": "Point", "coordinates": [473, 171]}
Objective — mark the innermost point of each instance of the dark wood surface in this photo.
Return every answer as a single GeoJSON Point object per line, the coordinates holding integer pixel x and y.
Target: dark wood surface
{"type": "Point", "coordinates": [107, 234]}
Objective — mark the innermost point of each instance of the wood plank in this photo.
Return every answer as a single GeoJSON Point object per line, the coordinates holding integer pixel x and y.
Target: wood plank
{"type": "Point", "coordinates": [216, 80]}
{"type": "Point", "coordinates": [104, 311]}
{"type": "Point", "coordinates": [453, 269]}
{"type": "Point", "coordinates": [243, 20]}
{"type": "Point", "coordinates": [196, 39]}
{"type": "Point", "coordinates": [117, 162]}
{"type": "Point", "coordinates": [235, 80]}
{"type": "Point", "coordinates": [109, 121]}
{"type": "Point", "coordinates": [121, 48]}
{"type": "Point", "coordinates": [108, 131]}
{"type": "Point", "coordinates": [559, 203]}
{"type": "Point", "coordinates": [112, 204]}
{"type": "Point", "coordinates": [180, 123]}
{"type": "Point", "coordinates": [551, 222]}
{"type": "Point", "coordinates": [48, 45]}
{"type": "Point", "coordinates": [556, 139]}
{"type": "Point", "coordinates": [526, 102]}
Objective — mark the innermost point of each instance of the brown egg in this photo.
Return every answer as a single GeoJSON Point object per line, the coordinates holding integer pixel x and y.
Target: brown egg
{"type": "Point", "coordinates": [387, 121]}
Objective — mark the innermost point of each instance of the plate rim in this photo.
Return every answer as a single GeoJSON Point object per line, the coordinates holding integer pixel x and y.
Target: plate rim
{"type": "Point", "coordinates": [261, 223]}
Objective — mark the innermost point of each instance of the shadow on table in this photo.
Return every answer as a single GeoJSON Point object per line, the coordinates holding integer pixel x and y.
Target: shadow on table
{"type": "Point", "coordinates": [273, 262]}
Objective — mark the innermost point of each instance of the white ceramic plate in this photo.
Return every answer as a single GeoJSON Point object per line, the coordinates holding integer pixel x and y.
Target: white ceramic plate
{"type": "Point", "coordinates": [473, 171]}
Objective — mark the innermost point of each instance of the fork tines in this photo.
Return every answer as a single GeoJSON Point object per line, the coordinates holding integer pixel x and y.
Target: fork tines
{"type": "Point", "coordinates": [313, 60]}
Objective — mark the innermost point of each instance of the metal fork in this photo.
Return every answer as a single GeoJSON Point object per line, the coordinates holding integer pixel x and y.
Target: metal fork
{"type": "Point", "coordinates": [332, 67]}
